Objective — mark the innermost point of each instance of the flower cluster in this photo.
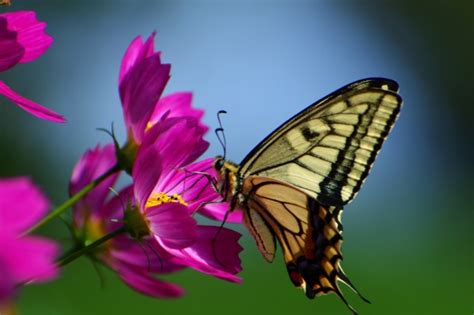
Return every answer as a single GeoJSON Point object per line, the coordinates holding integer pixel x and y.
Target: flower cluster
{"type": "Point", "coordinates": [144, 229]}
{"type": "Point", "coordinates": [165, 137]}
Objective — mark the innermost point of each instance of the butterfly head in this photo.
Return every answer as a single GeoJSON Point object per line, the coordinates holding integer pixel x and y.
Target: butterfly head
{"type": "Point", "coordinates": [227, 177]}
{"type": "Point", "coordinates": [222, 166]}
{"type": "Point", "coordinates": [219, 163]}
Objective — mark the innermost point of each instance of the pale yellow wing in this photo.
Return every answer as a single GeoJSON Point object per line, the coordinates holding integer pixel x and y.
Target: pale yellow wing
{"type": "Point", "coordinates": [327, 150]}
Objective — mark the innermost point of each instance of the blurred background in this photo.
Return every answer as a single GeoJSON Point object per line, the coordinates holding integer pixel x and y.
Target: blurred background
{"type": "Point", "coordinates": [409, 244]}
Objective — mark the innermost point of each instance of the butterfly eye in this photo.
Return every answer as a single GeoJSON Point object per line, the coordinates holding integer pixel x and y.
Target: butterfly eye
{"type": "Point", "coordinates": [219, 163]}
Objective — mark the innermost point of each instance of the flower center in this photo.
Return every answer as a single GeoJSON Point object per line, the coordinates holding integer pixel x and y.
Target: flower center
{"type": "Point", "coordinates": [157, 199]}
{"type": "Point", "coordinates": [149, 125]}
{"type": "Point", "coordinates": [94, 229]}
{"type": "Point", "coordinates": [136, 224]}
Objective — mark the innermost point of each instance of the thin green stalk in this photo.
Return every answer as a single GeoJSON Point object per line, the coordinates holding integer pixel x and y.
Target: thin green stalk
{"type": "Point", "coordinates": [89, 248]}
{"type": "Point", "coordinates": [72, 201]}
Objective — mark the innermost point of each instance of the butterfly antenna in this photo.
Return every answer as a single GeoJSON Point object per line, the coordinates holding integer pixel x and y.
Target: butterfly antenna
{"type": "Point", "coordinates": [220, 132]}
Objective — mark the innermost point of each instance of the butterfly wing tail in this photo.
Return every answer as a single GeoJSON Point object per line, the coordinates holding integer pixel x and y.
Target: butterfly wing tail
{"type": "Point", "coordinates": [318, 270]}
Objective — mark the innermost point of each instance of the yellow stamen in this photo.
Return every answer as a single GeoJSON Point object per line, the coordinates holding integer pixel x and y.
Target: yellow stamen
{"type": "Point", "coordinates": [161, 198]}
{"type": "Point", "coordinates": [148, 126]}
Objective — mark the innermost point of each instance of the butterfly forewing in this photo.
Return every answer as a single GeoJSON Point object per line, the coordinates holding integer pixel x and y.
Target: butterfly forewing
{"type": "Point", "coordinates": [327, 150]}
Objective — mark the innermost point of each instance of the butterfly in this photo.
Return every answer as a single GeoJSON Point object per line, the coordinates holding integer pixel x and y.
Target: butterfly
{"type": "Point", "coordinates": [293, 185]}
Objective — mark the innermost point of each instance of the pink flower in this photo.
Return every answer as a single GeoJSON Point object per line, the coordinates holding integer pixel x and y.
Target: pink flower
{"type": "Point", "coordinates": [142, 80]}
{"type": "Point", "coordinates": [165, 137]}
{"type": "Point", "coordinates": [158, 211]}
{"type": "Point", "coordinates": [168, 136]}
{"type": "Point", "coordinates": [22, 40]}
{"type": "Point", "coordinates": [97, 215]}
{"type": "Point", "coordinates": [169, 191]}
{"type": "Point", "coordinates": [23, 259]}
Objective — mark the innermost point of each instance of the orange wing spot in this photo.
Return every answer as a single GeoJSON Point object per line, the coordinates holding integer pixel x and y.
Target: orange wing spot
{"type": "Point", "coordinates": [325, 282]}
{"type": "Point", "coordinates": [333, 225]}
{"type": "Point", "coordinates": [328, 233]}
{"type": "Point", "coordinates": [322, 213]}
{"type": "Point", "coordinates": [330, 252]}
{"type": "Point", "coordinates": [327, 266]}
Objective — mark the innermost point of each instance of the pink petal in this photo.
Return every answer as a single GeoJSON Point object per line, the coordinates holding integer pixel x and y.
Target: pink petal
{"type": "Point", "coordinates": [91, 165]}
{"type": "Point", "coordinates": [196, 189]}
{"type": "Point", "coordinates": [145, 173]}
{"type": "Point", "coordinates": [136, 52]}
{"type": "Point", "coordinates": [30, 106]}
{"type": "Point", "coordinates": [217, 211]}
{"type": "Point", "coordinates": [179, 142]}
{"type": "Point", "coordinates": [140, 280]}
{"type": "Point", "coordinates": [130, 57]}
{"type": "Point", "coordinates": [22, 204]}
{"type": "Point", "coordinates": [29, 258]}
{"type": "Point", "coordinates": [142, 255]}
{"type": "Point", "coordinates": [172, 225]}
{"type": "Point", "coordinates": [140, 90]}
{"type": "Point", "coordinates": [30, 33]}
{"type": "Point", "coordinates": [7, 282]}
{"type": "Point", "coordinates": [218, 257]}
{"type": "Point", "coordinates": [10, 51]}
{"type": "Point", "coordinates": [176, 105]}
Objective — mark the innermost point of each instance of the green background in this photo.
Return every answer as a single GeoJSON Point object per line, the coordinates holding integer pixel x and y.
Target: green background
{"type": "Point", "coordinates": [408, 235]}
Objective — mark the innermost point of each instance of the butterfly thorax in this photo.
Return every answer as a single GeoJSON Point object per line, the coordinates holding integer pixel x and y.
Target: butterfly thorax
{"type": "Point", "coordinates": [229, 182]}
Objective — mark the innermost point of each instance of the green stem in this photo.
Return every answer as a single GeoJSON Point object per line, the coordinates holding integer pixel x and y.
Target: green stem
{"type": "Point", "coordinates": [72, 201]}
{"type": "Point", "coordinates": [89, 248]}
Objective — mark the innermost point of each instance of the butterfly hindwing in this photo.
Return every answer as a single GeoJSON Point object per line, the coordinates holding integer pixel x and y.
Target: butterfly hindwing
{"type": "Point", "coordinates": [261, 232]}
{"type": "Point", "coordinates": [309, 234]}
{"type": "Point", "coordinates": [327, 149]}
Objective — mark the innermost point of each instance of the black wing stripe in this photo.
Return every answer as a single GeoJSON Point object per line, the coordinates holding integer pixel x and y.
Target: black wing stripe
{"type": "Point", "coordinates": [337, 180]}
